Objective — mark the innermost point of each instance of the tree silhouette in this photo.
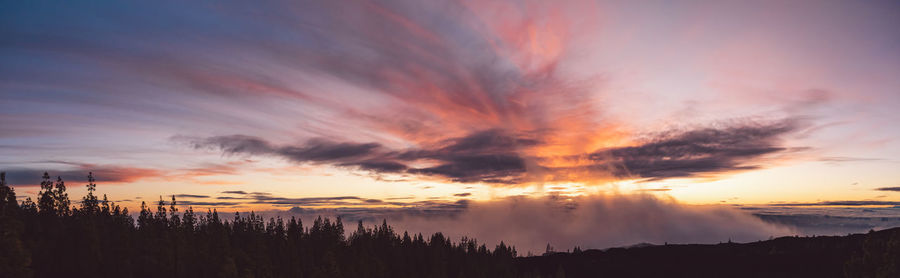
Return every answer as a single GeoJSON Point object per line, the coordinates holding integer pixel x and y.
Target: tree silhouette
{"type": "Point", "coordinates": [61, 198]}
{"type": "Point", "coordinates": [8, 203]}
{"type": "Point", "coordinates": [47, 197]}
{"type": "Point", "coordinates": [89, 203]}
{"type": "Point", "coordinates": [15, 259]}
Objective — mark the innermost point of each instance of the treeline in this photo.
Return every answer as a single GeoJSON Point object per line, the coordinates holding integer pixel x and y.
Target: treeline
{"type": "Point", "coordinates": [96, 238]}
{"type": "Point", "coordinates": [56, 238]}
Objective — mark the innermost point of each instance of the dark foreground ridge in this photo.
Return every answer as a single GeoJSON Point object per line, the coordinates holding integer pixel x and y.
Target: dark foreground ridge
{"type": "Point", "coordinates": [876, 254]}
{"type": "Point", "coordinates": [96, 238]}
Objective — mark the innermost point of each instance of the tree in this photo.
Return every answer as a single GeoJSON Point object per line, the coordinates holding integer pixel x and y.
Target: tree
{"type": "Point", "coordinates": [174, 221]}
{"type": "Point", "coordinates": [549, 250]}
{"type": "Point", "coordinates": [28, 206]}
{"type": "Point", "coordinates": [161, 210]}
{"type": "Point", "coordinates": [46, 200]}
{"type": "Point", "coordinates": [61, 198]}
{"type": "Point", "coordinates": [188, 219]}
{"type": "Point", "coordinates": [53, 198]}
{"type": "Point", "coordinates": [14, 258]}
{"type": "Point", "coordinates": [8, 203]}
{"type": "Point", "coordinates": [55, 243]}
{"type": "Point", "coordinates": [145, 217]}
{"type": "Point", "coordinates": [90, 204]}
{"type": "Point", "coordinates": [105, 206]}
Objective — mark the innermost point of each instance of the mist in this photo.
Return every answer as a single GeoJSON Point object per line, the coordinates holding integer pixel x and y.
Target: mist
{"type": "Point", "coordinates": [594, 221]}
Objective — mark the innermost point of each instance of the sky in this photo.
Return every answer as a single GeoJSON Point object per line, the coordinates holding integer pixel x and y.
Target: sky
{"type": "Point", "coordinates": [453, 105]}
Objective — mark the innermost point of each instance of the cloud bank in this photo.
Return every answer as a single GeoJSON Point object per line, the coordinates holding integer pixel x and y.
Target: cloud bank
{"type": "Point", "coordinates": [598, 221]}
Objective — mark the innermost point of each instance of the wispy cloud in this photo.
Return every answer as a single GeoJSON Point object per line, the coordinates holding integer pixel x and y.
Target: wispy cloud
{"type": "Point", "coordinates": [191, 196]}
{"type": "Point", "coordinates": [841, 203]}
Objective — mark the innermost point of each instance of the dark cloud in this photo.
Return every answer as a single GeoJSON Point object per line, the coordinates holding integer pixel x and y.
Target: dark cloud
{"type": "Point", "coordinates": [896, 188]}
{"type": "Point", "coordinates": [317, 201]}
{"type": "Point", "coordinates": [190, 196]}
{"type": "Point", "coordinates": [232, 144]}
{"type": "Point", "coordinates": [231, 198]}
{"type": "Point", "coordinates": [379, 166]}
{"type": "Point", "coordinates": [488, 141]}
{"type": "Point", "coordinates": [695, 152]}
{"type": "Point", "coordinates": [487, 156]}
{"type": "Point", "coordinates": [344, 202]}
{"type": "Point", "coordinates": [102, 173]}
{"type": "Point", "coordinates": [268, 198]}
{"type": "Point", "coordinates": [478, 168]}
{"type": "Point", "coordinates": [491, 156]}
{"type": "Point", "coordinates": [401, 198]}
{"type": "Point", "coordinates": [840, 203]}
{"type": "Point", "coordinates": [314, 150]}
{"type": "Point", "coordinates": [319, 150]}
{"type": "Point", "coordinates": [239, 192]}
{"type": "Point", "coordinates": [208, 204]}
{"type": "Point", "coordinates": [498, 157]}
{"type": "Point", "coordinates": [467, 194]}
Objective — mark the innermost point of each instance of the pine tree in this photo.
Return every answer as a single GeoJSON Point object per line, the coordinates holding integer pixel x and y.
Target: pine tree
{"type": "Point", "coordinates": [145, 217]}
{"type": "Point", "coordinates": [188, 219]}
{"type": "Point", "coordinates": [61, 198]}
{"type": "Point", "coordinates": [28, 206]}
{"type": "Point", "coordinates": [105, 206]}
{"type": "Point", "coordinates": [174, 221]}
{"type": "Point", "coordinates": [46, 199]}
{"type": "Point", "coordinates": [90, 204]}
{"type": "Point", "coordinates": [161, 210]}
{"type": "Point", "coordinates": [14, 257]}
{"type": "Point", "coordinates": [8, 203]}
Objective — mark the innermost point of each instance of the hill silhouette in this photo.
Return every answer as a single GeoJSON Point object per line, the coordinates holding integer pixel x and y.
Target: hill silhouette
{"type": "Point", "coordinates": [876, 254]}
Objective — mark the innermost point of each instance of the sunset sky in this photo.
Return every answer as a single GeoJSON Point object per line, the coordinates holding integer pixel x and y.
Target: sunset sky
{"type": "Point", "coordinates": [267, 105]}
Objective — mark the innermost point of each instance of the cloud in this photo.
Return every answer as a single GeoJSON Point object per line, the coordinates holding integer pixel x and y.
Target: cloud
{"type": "Point", "coordinates": [597, 221]}
{"type": "Point", "coordinates": [78, 172]}
{"type": "Point", "coordinates": [841, 203]}
{"type": "Point", "coordinates": [314, 150]}
{"type": "Point", "coordinates": [190, 196]}
{"type": "Point", "coordinates": [467, 194]}
{"type": "Point", "coordinates": [478, 168]}
{"type": "Point", "coordinates": [502, 157]}
{"type": "Point", "coordinates": [829, 219]}
{"type": "Point", "coordinates": [208, 204]}
{"type": "Point", "coordinates": [895, 188]}
{"type": "Point", "coordinates": [379, 166]}
{"type": "Point", "coordinates": [245, 198]}
{"type": "Point", "coordinates": [231, 198]}
{"type": "Point", "coordinates": [701, 151]}
{"type": "Point", "coordinates": [840, 159]}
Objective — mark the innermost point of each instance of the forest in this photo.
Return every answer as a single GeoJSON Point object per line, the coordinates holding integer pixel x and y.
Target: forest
{"type": "Point", "coordinates": [93, 237]}
{"type": "Point", "coordinates": [97, 238]}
